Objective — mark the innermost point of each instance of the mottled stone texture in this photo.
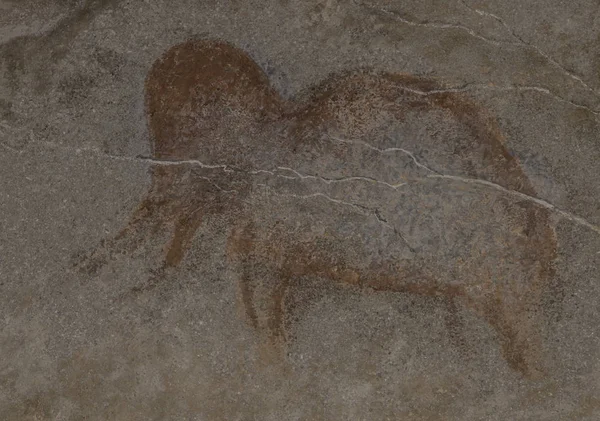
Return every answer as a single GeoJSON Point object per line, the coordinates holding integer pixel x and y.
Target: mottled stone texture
{"type": "Point", "coordinates": [316, 210]}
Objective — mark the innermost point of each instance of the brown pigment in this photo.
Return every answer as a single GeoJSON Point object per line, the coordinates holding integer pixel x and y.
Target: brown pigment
{"type": "Point", "coordinates": [209, 101]}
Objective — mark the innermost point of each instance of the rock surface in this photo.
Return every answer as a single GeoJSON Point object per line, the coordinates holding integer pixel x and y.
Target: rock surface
{"type": "Point", "coordinates": [315, 210]}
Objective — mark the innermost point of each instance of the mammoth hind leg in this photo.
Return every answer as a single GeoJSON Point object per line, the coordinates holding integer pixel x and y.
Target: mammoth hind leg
{"type": "Point", "coordinates": [519, 338]}
{"type": "Point", "coordinates": [511, 315]}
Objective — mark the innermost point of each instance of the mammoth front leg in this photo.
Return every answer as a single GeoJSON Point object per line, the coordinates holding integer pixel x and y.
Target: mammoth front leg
{"type": "Point", "coordinates": [186, 224]}
{"type": "Point", "coordinates": [145, 223]}
{"type": "Point", "coordinates": [174, 202]}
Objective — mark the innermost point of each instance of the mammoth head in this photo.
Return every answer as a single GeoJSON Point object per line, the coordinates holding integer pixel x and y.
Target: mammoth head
{"type": "Point", "coordinates": [200, 91]}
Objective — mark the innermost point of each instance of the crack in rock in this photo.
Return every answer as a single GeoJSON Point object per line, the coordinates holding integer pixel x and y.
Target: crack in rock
{"type": "Point", "coordinates": [364, 210]}
{"type": "Point", "coordinates": [551, 60]}
{"type": "Point", "coordinates": [336, 180]}
{"type": "Point", "coordinates": [567, 215]}
{"type": "Point", "coordinates": [432, 175]}
{"type": "Point", "coordinates": [519, 43]}
{"type": "Point", "coordinates": [386, 150]}
{"type": "Point", "coordinates": [473, 87]}
{"type": "Point", "coordinates": [438, 25]}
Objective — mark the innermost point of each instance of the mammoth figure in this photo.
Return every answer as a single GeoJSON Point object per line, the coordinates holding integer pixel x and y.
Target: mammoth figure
{"type": "Point", "coordinates": [378, 181]}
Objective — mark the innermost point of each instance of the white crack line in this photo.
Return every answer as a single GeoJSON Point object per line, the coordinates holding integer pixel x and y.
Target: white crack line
{"type": "Point", "coordinates": [437, 25]}
{"type": "Point", "coordinates": [472, 87]}
{"type": "Point", "coordinates": [221, 189]}
{"type": "Point", "coordinates": [383, 151]}
{"type": "Point", "coordinates": [545, 91]}
{"type": "Point", "coordinates": [521, 43]}
{"type": "Point", "coordinates": [173, 162]}
{"type": "Point", "coordinates": [363, 210]}
{"type": "Point", "coordinates": [224, 167]}
{"type": "Point", "coordinates": [138, 159]}
{"type": "Point", "coordinates": [530, 45]}
{"type": "Point", "coordinates": [567, 215]}
{"type": "Point", "coordinates": [325, 180]}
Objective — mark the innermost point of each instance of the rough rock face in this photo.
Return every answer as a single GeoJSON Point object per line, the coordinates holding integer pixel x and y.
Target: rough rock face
{"type": "Point", "coordinates": [218, 223]}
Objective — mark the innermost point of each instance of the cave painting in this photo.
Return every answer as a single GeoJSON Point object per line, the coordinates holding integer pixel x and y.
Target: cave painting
{"type": "Point", "coordinates": [377, 181]}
